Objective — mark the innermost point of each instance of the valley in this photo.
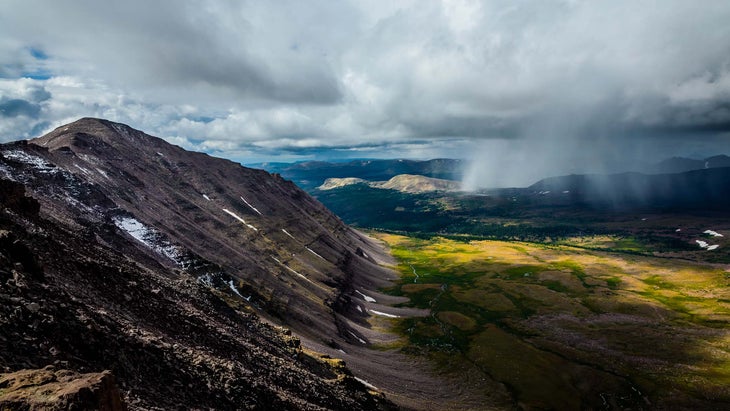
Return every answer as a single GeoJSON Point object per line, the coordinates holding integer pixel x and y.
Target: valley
{"type": "Point", "coordinates": [560, 327]}
{"type": "Point", "coordinates": [559, 296]}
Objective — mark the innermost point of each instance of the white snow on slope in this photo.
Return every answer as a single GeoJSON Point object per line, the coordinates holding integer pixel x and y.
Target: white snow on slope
{"type": "Point", "coordinates": [83, 170]}
{"type": "Point", "coordinates": [234, 215]}
{"type": "Point", "coordinates": [358, 338]}
{"type": "Point", "coordinates": [712, 247]}
{"type": "Point", "coordinates": [252, 207]}
{"type": "Point", "coordinates": [291, 269]}
{"type": "Point", "coordinates": [367, 298]}
{"type": "Point", "coordinates": [205, 196]}
{"type": "Point", "coordinates": [31, 160]}
{"type": "Point", "coordinates": [103, 173]}
{"type": "Point", "coordinates": [234, 289]}
{"type": "Point", "coordinates": [702, 244]}
{"type": "Point", "coordinates": [312, 251]}
{"type": "Point", "coordinates": [149, 237]}
{"type": "Point", "coordinates": [6, 172]}
{"type": "Point", "coordinates": [384, 314]}
{"type": "Point", "coordinates": [367, 384]}
{"type": "Point", "coordinates": [287, 233]}
{"type": "Point", "coordinates": [713, 233]}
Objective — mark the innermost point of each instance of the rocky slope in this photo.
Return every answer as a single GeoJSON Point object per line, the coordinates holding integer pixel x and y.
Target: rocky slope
{"type": "Point", "coordinates": [120, 251]}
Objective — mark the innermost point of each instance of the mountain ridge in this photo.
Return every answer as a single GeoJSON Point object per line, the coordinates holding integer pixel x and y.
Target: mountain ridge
{"type": "Point", "coordinates": [199, 255]}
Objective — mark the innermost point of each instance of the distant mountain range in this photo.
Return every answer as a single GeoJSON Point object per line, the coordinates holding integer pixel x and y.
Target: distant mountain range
{"type": "Point", "coordinates": [312, 174]}
{"type": "Point", "coordinates": [406, 183]}
{"type": "Point", "coordinates": [697, 189]}
{"type": "Point", "coordinates": [682, 164]}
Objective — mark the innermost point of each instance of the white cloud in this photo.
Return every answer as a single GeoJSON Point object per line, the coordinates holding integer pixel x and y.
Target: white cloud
{"type": "Point", "coordinates": [247, 77]}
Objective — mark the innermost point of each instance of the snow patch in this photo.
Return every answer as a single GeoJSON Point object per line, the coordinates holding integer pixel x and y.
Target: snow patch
{"type": "Point", "coordinates": [83, 170]}
{"type": "Point", "coordinates": [149, 237]}
{"type": "Point", "coordinates": [702, 244]}
{"type": "Point", "coordinates": [206, 279]}
{"type": "Point", "coordinates": [233, 288]}
{"type": "Point", "coordinates": [103, 173]}
{"type": "Point", "coordinates": [291, 269]}
{"type": "Point", "coordinates": [384, 314]}
{"type": "Point", "coordinates": [287, 233]}
{"type": "Point", "coordinates": [359, 308]}
{"type": "Point", "coordinates": [358, 338]}
{"type": "Point", "coordinates": [367, 298]}
{"type": "Point", "coordinates": [367, 384]}
{"type": "Point", "coordinates": [252, 207]}
{"type": "Point", "coordinates": [713, 247]}
{"type": "Point", "coordinates": [312, 251]}
{"type": "Point", "coordinates": [34, 161]}
{"type": "Point", "coordinates": [6, 172]}
{"type": "Point", "coordinates": [677, 230]}
{"type": "Point", "coordinates": [205, 196]}
{"type": "Point", "coordinates": [234, 215]}
{"type": "Point", "coordinates": [712, 233]}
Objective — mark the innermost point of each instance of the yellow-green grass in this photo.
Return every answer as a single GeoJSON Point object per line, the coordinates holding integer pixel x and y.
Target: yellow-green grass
{"type": "Point", "coordinates": [542, 318]}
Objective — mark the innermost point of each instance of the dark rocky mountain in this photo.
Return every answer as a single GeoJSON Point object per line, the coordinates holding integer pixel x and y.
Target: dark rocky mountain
{"type": "Point", "coordinates": [121, 252]}
{"type": "Point", "coordinates": [682, 164]}
{"type": "Point", "coordinates": [705, 189]}
{"type": "Point", "coordinates": [312, 174]}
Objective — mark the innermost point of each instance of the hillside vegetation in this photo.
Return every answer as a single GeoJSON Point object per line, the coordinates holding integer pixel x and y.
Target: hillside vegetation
{"type": "Point", "coordinates": [561, 327]}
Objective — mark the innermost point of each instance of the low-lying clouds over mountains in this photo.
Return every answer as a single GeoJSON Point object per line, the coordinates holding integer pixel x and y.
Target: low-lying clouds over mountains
{"type": "Point", "coordinates": [550, 82]}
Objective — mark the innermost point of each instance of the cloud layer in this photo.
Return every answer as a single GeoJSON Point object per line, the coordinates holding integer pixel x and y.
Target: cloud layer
{"type": "Point", "coordinates": [525, 88]}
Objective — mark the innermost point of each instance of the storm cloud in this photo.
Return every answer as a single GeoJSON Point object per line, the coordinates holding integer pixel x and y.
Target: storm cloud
{"type": "Point", "coordinates": [525, 89]}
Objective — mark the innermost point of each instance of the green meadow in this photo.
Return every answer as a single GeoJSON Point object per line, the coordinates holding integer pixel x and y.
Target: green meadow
{"type": "Point", "coordinates": [566, 326]}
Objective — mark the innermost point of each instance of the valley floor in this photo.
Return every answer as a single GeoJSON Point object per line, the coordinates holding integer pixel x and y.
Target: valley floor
{"type": "Point", "coordinates": [539, 326]}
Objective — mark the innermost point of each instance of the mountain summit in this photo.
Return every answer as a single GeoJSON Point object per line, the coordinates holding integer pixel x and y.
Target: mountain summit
{"type": "Point", "coordinates": [120, 251]}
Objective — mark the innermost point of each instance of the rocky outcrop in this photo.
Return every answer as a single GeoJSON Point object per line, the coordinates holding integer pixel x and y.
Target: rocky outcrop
{"type": "Point", "coordinates": [49, 389]}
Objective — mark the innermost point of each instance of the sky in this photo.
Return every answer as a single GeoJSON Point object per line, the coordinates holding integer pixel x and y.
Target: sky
{"type": "Point", "coordinates": [521, 89]}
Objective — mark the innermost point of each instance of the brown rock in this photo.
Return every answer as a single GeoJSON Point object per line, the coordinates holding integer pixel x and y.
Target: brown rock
{"type": "Point", "coordinates": [49, 389]}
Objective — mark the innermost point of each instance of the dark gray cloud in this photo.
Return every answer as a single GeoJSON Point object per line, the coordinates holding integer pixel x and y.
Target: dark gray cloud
{"type": "Point", "coordinates": [561, 84]}
{"type": "Point", "coordinates": [17, 107]}
{"type": "Point", "coordinates": [210, 49]}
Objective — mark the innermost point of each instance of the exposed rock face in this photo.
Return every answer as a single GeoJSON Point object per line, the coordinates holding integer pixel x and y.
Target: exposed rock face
{"type": "Point", "coordinates": [50, 390]}
{"type": "Point", "coordinates": [129, 254]}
